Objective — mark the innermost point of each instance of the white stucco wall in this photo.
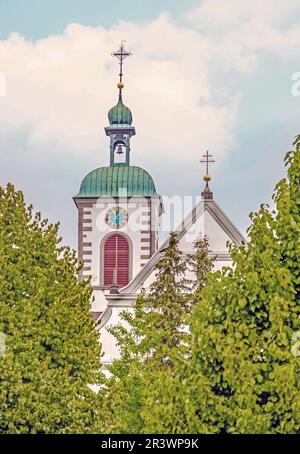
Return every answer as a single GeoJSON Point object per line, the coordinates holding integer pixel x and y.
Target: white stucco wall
{"type": "Point", "coordinates": [143, 217]}
{"type": "Point", "coordinates": [204, 225]}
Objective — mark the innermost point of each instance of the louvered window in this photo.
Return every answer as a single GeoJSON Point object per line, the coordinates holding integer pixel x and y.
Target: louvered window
{"type": "Point", "coordinates": [116, 261]}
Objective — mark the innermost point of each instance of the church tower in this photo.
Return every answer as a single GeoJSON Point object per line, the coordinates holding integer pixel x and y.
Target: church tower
{"type": "Point", "coordinates": [118, 210]}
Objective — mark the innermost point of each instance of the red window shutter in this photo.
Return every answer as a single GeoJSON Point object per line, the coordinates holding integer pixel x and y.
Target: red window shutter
{"type": "Point", "coordinates": [116, 257]}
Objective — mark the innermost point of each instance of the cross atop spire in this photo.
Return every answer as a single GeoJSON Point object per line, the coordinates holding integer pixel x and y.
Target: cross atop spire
{"type": "Point", "coordinates": [120, 129]}
{"type": "Point", "coordinates": [207, 194]}
{"type": "Point", "coordinates": [207, 160]}
{"type": "Point", "coordinates": [121, 54]}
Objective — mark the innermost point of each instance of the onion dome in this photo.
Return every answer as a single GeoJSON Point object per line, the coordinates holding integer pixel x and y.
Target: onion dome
{"type": "Point", "coordinates": [120, 115]}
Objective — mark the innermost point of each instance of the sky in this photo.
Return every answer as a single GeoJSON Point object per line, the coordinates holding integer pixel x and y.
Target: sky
{"type": "Point", "coordinates": [210, 74]}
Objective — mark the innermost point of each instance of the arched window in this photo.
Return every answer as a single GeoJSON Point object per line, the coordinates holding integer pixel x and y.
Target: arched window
{"type": "Point", "coordinates": [119, 152]}
{"type": "Point", "coordinates": [116, 260]}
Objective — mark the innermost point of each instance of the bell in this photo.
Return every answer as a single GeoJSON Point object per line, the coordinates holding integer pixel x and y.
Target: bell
{"type": "Point", "coordinates": [119, 150]}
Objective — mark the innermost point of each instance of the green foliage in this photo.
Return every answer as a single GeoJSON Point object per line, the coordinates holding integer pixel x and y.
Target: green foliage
{"type": "Point", "coordinates": [217, 354]}
{"type": "Point", "coordinates": [153, 338]}
{"type": "Point", "coordinates": [164, 409]}
{"type": "Point", "coordinates": [243, 376]}
{"type": "Point", "coordinates": [200, 263]}
{"type": "Point", "coordinates": [238, 369]}
{"type": "Point", "coordinates": [52, 347]}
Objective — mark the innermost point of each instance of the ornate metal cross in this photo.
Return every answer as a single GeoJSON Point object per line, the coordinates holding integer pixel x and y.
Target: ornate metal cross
{"type": "Point", "coordinates": [207, 160]}
{"type": "Point", "coordinates": [121, 54]}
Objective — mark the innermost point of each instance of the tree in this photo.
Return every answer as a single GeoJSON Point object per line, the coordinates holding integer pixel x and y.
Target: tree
{"type": "Point", "coordinates": [164, 410]}
{"type": "Point", "coordinates": [200, 265]}
{"type": "Point", "coordinates": [153, 339]}
{"type": "Point", "coordinates": [244, 372]}
{"type": "Point", "coordinates": [52, 348]}
{"type": "Point", "coordinates": [145, 336]}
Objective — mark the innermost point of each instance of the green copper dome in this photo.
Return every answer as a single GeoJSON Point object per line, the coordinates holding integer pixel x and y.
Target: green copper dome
{"type": "Point", "coordinates": [117, 180]}
{"type": "Point", "coordinates": [120, 115]}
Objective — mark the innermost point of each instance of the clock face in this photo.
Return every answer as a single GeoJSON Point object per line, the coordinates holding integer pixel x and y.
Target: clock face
{"type": "Point", "coordinates": [116, 217]}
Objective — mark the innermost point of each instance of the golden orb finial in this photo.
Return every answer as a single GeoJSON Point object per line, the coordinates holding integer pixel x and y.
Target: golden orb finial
{"type": "Point", "coordinates": [120, 85]}
{"type": "Point", "coordinates": [207, 178]}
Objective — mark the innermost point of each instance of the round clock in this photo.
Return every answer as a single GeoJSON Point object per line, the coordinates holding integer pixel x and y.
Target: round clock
{"type": "Point", "coordinates": [116, 217]}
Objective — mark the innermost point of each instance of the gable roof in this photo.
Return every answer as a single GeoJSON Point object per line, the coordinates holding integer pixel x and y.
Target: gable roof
{"type": "Point", "coordinates": [218, 215]}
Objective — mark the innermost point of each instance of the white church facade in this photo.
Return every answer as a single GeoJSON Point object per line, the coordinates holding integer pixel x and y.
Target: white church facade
{"type": "Point", "coordinates": [119, 213]}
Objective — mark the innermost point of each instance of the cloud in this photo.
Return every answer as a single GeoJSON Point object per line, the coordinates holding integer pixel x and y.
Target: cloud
{"type": "Point", "coordinates": [231, 13]}
{"type": "Point", "coordinates": [179, 84]}
{"type": "Point", "coordinates": [242, 30]}
{"type": "Point", "coordinates": [60, 88]}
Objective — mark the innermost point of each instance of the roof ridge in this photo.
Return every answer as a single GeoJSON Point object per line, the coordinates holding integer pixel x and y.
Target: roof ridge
{"type": "Point", "coordinates": [212, 207]}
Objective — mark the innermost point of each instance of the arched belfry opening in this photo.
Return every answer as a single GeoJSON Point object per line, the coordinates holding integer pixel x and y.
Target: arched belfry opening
{"type": "Point", "coordinates": [120, 152]}
{"type": "Point", "coordinates": [116, 260]}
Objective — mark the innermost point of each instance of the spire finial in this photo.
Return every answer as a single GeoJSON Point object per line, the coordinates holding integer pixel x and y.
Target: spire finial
{"type": "Point", "coordinates": [121, 54]}
{"type": "Point", "coordinates": [207, 194]}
